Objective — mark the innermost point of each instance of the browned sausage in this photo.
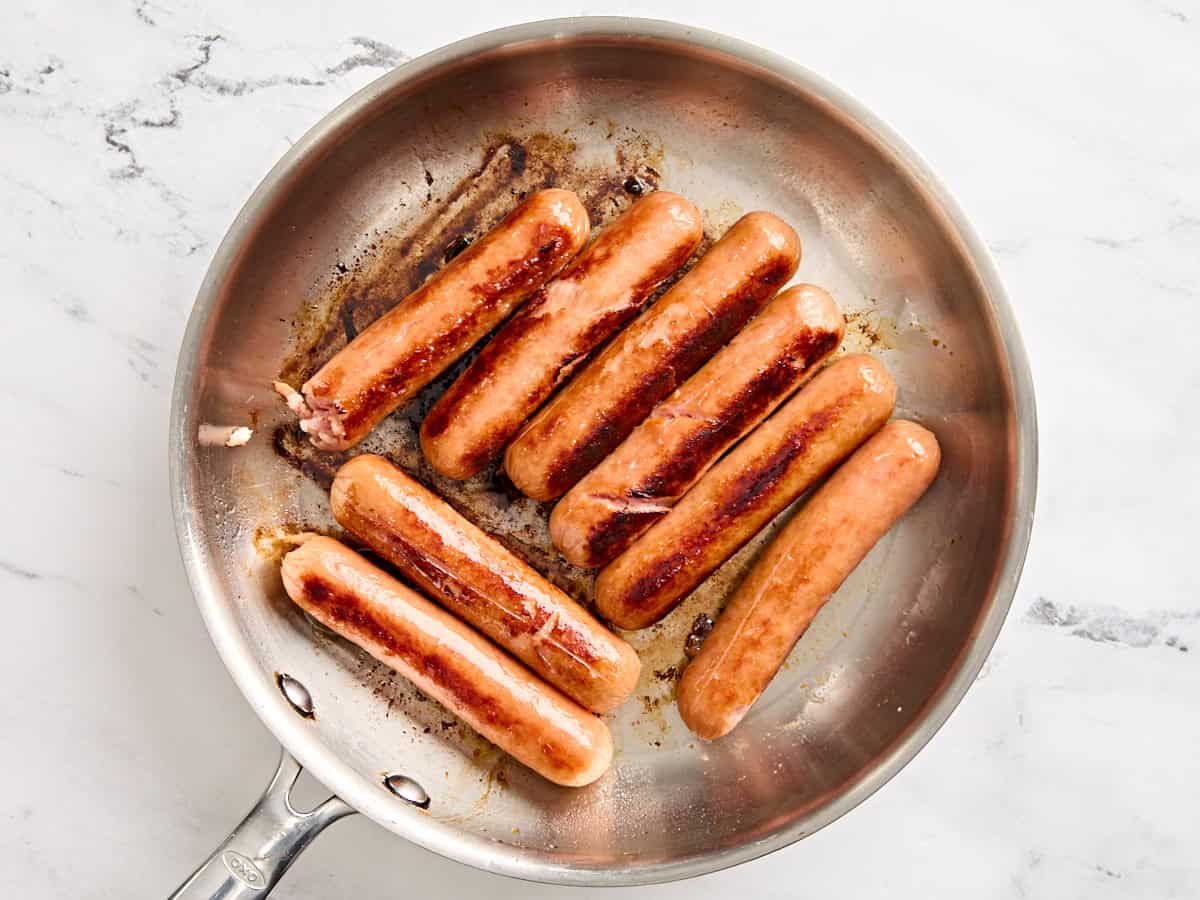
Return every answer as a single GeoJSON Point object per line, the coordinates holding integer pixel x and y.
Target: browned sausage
{"type": "Point", "coordinates": [809, 435]}
{"type": "Point", "coordinates": [490, 691]}
{"type": "Point", "coordinates": [404, 350]}
{"type": "Point", "coordinates": [478, 579]}
{"type": "Point", "coordinates": [639, 482]}
{"type": "Point", "coordinates": [667, 343]}
{"type": "Point", "coordinates": [555, 331]}
{"type": "Point", "coordinates": [805, 563]}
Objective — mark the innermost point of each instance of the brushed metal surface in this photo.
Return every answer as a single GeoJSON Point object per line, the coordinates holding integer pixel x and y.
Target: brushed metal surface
{"type": "Point", "coordinates": [380, 188]}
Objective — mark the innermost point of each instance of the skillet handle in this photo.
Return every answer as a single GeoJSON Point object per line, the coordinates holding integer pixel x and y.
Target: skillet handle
{"type": "Point", "coordinates": [252, 859]}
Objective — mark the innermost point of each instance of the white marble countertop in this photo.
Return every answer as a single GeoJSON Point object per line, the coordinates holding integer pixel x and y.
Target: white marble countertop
{"type": "Point", "coordinates": [1072, 139]}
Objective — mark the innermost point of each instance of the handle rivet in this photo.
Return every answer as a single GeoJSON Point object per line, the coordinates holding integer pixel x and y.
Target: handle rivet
{"type": "Point", "coordinates": [408, 790]}
{"type": "Point", "coordinates": [296, 694]}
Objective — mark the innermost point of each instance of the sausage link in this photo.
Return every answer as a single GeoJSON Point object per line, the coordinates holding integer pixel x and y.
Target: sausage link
{"type": "Point", "coordinates": [405, 349]}
{"type": "Point", "coordinates": [667, 343]}
{"type": "Point", "coordinates": [478, 579]}
{"type": "Point", "coordinates": [639, 482]}
{"type": "Point", "coordinates": [448, 661]}
{"type": "Point", "coordinates": [781, 459]}
{"type": "Point", "coordinates": [555, 331]}
{"type": "Point", "coordinates": [805, 563]}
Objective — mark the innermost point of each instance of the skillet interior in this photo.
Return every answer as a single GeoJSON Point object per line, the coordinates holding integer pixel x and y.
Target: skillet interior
{"type": "Point", "coordinates": [371, 202]}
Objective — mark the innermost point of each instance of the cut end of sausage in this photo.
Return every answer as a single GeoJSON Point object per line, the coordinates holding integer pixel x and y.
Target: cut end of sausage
{"type": "Point", "coordinates": [324, 425]}
{"type": "Point", "coordinates": [319, 419]}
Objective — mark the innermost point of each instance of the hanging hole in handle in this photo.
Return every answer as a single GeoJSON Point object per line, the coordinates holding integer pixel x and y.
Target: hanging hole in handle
{"type": "Point", "coordinates": [307, 794]}
{"type": "Point", "coordinates": [407, 790]}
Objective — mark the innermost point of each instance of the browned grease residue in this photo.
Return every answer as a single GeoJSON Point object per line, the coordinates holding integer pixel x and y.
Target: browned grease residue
{"type": "Point", "coordinates": [869, 329]}
{"type": "Point", "coordinates": [272, 542]}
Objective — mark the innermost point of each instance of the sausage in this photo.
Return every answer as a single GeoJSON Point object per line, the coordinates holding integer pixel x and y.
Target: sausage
{"type": "Point", "coordinates": [801, 568]}
{"type": "Point", "coordinates": [639, 482]}
{"type": "Point", "coordinates": [405, 349]}
{"type": "Point", "coordinates": [664, 345]}
{"type": "Point", "coordinates": [475, 577]}
{"type": "Point", "coordinates": [448, 661]}
{"type": "Point", "coordinates": [810, 434]}
{"type": "Point", "coordinates": [554, 332]}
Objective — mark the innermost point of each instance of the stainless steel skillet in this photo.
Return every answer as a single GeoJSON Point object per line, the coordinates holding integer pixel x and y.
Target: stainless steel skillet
{"type": "Point", "coordinates": [367, 204]}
